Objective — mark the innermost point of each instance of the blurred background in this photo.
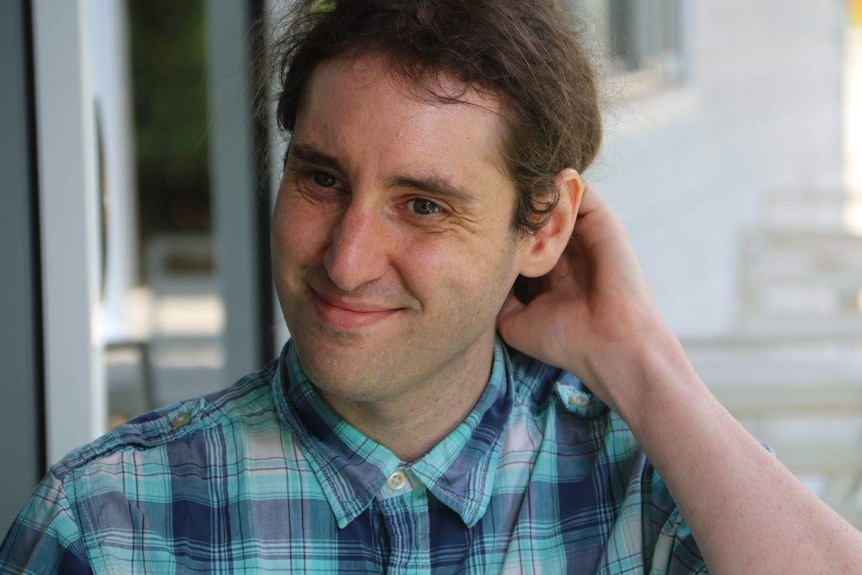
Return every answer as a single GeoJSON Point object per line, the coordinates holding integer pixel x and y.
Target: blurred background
{"type": "Point", "coordinates": [138, 182]}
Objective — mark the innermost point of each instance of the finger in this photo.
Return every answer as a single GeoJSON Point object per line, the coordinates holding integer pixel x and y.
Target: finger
{"type": "Point", "coordinates": [591, 200]}
{"type": "Point", "coordinates": [595, 218]}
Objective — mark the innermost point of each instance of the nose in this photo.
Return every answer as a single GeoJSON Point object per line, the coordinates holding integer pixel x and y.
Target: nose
{"type": "Point", "coordinates": [357, 250]}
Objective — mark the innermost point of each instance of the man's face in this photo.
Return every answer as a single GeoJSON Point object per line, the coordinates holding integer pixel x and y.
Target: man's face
{"type": "Point", "coordinates": [392, 240]}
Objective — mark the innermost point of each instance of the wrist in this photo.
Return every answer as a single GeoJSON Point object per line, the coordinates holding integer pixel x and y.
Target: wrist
{"type": "Point", "coordinates": [643, 377]}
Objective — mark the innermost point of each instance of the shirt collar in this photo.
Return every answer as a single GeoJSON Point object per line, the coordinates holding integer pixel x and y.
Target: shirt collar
{"type": "Point", "coordinates": [352, 469]}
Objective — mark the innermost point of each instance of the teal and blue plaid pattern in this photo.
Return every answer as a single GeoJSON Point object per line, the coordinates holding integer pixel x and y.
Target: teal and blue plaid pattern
{"type": "Point", "coordinates": [264, 477]}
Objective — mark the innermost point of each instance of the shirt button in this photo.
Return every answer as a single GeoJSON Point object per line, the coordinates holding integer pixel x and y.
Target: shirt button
{"type": "Point", "coordinates": [397, 480]}
{"type": "Point", "coordinates": [578, 401]}
{"type": "Point", "coordinates": [181, 420]}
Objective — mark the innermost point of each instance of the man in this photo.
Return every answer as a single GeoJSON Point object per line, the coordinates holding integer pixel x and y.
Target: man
{"type": "Point", "coordinates": [434, 163]}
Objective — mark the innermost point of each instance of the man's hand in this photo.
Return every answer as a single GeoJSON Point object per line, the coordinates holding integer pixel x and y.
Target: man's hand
{"type": "Point", "coordinates": [596, 318]}
{"type": "Point", "coordinates": [596, 305]}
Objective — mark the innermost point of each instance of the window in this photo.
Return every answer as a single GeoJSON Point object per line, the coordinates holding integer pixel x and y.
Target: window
{"type": "Point", "coordinates": [639, 38]}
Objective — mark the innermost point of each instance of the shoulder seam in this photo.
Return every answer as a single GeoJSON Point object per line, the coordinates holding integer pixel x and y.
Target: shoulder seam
{"type": "Point", "coordinates": [156, 432]}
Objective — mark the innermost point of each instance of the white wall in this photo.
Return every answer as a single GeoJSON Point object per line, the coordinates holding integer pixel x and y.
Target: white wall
{"type": "Point", "coordinates": [687, 168]}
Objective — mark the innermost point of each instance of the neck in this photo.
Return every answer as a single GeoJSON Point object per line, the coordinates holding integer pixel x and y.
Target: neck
{"type": "Point", "coordinates": [411, 424]}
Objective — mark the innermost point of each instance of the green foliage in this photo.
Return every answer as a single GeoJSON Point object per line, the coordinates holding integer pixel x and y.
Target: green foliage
{"type": "Point", "coordinates": [168, 46]}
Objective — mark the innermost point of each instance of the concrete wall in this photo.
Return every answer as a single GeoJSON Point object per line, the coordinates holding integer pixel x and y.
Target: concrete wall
{"type": "Point", "coordinates": [686, 167]}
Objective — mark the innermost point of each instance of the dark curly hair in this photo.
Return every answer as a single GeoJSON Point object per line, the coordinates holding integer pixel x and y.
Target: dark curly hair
{"type": "Point", "coordinates": [527, 53]}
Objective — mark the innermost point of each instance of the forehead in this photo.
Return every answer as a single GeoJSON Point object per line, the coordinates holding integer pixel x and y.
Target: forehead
{"type": "Point", "coordinates": [362, 109]}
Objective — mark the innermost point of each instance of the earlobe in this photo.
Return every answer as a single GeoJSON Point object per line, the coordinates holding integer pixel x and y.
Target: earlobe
{"type": "Point", "coordinates": [550, 241]}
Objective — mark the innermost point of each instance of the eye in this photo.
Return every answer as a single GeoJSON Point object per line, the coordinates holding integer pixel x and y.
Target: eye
{"type": "Point", "coordinates": [324, 180]}
{"type": "Point", "coordinates": [424, 207]}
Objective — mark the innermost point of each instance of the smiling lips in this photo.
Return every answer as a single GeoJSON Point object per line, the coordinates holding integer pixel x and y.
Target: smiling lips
{"type": "Point", "coordinates": [349, 315]}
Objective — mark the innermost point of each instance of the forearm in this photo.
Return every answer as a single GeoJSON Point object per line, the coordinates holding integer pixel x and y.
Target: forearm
{"type": "Point", "coordinates": [748, 513]}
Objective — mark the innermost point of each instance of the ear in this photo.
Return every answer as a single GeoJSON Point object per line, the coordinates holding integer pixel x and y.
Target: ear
{"type": "Point", "coordinates": [548, 244]}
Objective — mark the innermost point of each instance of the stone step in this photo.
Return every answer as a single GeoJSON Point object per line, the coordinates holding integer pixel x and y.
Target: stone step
{"type": "Point", "coordinates": [796, 255]}
{"type": "Point", "coordinates": [747, 360]}
{"type": "Point", "coordinates": [837, 210]}
{"type": "Point", "coordinates": [799, 279]}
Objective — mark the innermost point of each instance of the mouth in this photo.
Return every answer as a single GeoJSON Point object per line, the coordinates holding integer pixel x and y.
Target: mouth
{"type": "Point", "coordinates": [348, 315]}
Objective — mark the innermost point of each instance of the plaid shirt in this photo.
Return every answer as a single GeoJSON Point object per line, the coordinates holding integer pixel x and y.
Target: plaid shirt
{"type": "Point", "coordinates": [265, 477]}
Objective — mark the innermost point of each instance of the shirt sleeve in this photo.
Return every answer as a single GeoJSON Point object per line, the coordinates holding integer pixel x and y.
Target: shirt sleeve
{"type": "Point", "coordinates": [45, 538]}
{"type": "Point", "coordinates": [669, 544]}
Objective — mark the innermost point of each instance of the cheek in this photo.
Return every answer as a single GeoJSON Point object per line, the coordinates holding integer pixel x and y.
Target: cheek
{"type": "Point", "coordinates": [295, 233]}
{"type": "Point", "coordinates": [457, 272]}
{"type": "Point", "coordinates": [280, 241]}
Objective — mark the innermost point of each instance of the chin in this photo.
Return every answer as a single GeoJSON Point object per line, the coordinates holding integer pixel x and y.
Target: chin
{"type": "Point", "coordinates": [334, 367]}
{"type": "Point", "coordinates": [342, 384]}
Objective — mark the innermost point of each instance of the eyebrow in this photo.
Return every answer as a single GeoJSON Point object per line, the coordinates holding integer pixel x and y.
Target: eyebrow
{"type": "Point", "coordinates": [434, 185]}
{"type": "Point", "coordinates": [311, 155]}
